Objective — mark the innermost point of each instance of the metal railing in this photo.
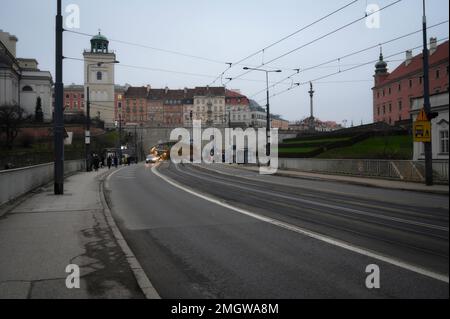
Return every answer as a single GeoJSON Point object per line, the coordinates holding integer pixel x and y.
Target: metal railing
{"type": "Point", "coordinates": [397, 170]}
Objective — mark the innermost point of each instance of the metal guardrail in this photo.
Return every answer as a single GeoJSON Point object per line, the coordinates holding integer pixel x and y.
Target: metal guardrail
{"type": "Point", "coordinates": [397, 170]}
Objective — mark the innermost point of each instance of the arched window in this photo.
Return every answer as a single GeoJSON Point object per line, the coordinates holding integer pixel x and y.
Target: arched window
{"type": "Point", "coordinates": [27, 88]}
{"type": "Point", "coordinates": [99, 76]}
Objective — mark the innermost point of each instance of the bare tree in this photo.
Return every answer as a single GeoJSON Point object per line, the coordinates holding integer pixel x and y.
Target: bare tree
{"type": "Point", "coordinates": [10, 118]}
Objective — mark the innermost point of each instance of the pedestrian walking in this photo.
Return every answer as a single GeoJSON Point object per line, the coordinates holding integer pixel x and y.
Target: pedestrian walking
{"type": "Point", "coordinates": [109, 162]}
{"type": "Point", "coordinates": [96, 162]}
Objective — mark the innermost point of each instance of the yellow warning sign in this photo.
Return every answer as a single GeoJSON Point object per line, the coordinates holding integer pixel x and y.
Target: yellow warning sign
{"type": "Point", "coordinates": [422, 117]}
{"type": "Point", "coordinates": [422, 128]}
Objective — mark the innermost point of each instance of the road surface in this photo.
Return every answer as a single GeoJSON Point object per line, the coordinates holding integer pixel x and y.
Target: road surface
{"type": "Point", "coordinates": [220, 232]}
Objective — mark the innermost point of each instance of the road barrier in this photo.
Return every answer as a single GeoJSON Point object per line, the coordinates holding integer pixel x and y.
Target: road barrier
{"type": "Point", "coordinates": [17, 182]}
{"type": "Point", "coordinates": [409, 171]}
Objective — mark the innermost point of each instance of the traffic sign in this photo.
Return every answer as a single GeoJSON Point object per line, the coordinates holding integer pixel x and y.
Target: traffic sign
{"type": "Point", "coordinates": [422, 128]}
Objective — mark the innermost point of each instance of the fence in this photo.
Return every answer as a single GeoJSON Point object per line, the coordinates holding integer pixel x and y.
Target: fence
{"type": "Point", "coordinates": [16, 182]}
{"type": "Point", "coordinates": [397, 170]}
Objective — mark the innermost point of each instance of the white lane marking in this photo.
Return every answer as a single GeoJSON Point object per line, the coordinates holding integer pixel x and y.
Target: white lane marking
{"type": "Point", "coordinates": [308, 233]}
{"type": "Point", "coordinates": [343, 208]}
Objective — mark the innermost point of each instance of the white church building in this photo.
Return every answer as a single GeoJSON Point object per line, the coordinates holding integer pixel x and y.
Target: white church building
{"type": "Point", "coordinates": [21, 81]}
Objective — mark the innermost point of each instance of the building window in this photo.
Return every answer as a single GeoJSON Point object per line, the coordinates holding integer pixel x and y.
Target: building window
{"type": "Point", "coordinates": [410, 83]}
{"type": "Point", "coordinates": [420, 79]}
{"type": "Point", "coordinates": [399, 87]}
{"type": "Point", "coordinates": [438, 74]}
{"type": "Point", "coordinates": [443, 139]}
{"type": "Point", "coordinates": [384, 109]}
{"type": "Point", "coordinates": [400, 105]}
{"type": "Point", "coordinates": [378, 110]}
{"type": "Point", "coordinates": [99, 76]}
{"type": "Point", "coordinates": [390, 91]}
{"type": "Point", "coordinates": [390, 108]}
{"type": "Point", "coordinates": [27, 88]}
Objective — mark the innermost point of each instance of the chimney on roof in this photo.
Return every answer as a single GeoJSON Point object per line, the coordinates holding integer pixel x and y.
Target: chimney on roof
{"type": "Point", "coordinates": [409, 57]}
{"type": "Point", "coordinates": [166, 90]}
{"type": "Point", "coordinates": [433, 45]}
{"type": "Point", "coordinates": [149, 87]}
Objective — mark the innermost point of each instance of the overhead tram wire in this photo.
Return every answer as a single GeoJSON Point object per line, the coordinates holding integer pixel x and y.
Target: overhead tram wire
{"type": "Point", "coordinates": [161, 70]}
{"type": "Point", "coordinates": [320, 38]}
{"type": "Point", "coordinates": [153, 48]}
{"type": "Point", "coordinates": [349, 55]}
{"type": "Point", "coordinates": [283, 39]}
{"type": "Point", "coordinates": [342, 71]}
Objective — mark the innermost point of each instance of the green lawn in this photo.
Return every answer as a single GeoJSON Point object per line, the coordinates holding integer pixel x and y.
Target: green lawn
{"type": "Point", "coordinates": [318, 141]}
{"type": "Point", "coordinates": [389, 147]}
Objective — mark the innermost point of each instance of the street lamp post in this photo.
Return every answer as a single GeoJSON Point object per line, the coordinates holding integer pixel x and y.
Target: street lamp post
{"type": "Point", "coordinates": [58, 126]}
{"type": "Point", "coordinates": [426, 102]}
{"type": "Point", "coordinates": [268, 104]}
{"type": "Point", "coordinates": [88, 114]}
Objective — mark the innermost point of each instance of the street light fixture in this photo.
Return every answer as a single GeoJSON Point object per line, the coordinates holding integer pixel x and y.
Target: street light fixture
{"type": "Point", "coordinates": [88, 113]}
{"type": "Point", "coordinates": [268, 104]}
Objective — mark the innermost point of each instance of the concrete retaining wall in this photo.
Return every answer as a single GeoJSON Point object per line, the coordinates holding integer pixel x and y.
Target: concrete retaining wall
{"type": "Point", "coordinates": [17, 182]}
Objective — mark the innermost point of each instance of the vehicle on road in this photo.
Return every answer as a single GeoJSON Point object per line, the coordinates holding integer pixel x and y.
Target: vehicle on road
{"type": "Point", "coordinates": [150, 159]}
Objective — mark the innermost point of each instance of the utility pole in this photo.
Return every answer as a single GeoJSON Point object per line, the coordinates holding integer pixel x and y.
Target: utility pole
{"type": "Point", "coordinates": [88, 131]}
{"type": "Point", "coordinates": [58, 125]}
{"type": "Point", "coordinates": [426, 101]}
{"type": "Point", "coordinates": [135, 142]}
{"type": "Point", "coordinates": [120, 138]}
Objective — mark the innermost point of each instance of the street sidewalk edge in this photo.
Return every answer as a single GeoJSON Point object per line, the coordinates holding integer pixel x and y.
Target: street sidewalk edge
{"type": "Point", "coordinates": [143, 281]}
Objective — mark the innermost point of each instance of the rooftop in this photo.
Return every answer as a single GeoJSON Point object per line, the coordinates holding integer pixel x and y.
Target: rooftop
{"type": "Point", "coordinates": [415, 65]}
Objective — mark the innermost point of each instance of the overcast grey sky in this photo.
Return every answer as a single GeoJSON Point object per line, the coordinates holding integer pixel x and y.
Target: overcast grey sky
{"type": "Point", "coordinates": [228, 31]}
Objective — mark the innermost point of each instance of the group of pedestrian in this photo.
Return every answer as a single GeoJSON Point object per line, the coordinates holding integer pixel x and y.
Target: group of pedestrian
{"type": "Point", "coordinates": [98, 162]}
{"type": "Point", "coordinates": [112, 160]}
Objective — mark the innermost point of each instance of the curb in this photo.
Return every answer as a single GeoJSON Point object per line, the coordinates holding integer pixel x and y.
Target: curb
{"type": "Point", "coordinates": [143, 281]}
{"type": "Point", "coordinates": [426, 191]}
{"type": "Point", "coordinates": [358, 183]}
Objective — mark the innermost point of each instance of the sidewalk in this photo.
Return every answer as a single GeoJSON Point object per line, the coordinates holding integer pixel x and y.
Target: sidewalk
{"type": "Point", "coordinates": [363, 181]}
{"type": "Point", "coordinates": [45, 233]}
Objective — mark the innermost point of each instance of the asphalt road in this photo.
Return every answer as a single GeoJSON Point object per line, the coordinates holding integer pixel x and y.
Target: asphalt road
{"type": "Point", "coordinates": [191, 247]}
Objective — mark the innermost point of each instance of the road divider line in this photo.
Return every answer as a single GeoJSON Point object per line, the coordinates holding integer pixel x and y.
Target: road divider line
{"type": "Point", "coordinates": [143, 281]}
{"type": "Point", "coordinates": [308, 233]}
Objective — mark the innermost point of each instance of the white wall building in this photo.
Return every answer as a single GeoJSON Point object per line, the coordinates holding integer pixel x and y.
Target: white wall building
{"type": "Point", "coordinates": [35, 84]}
{"type": "Point", "coordinates": [99, 65]}
{"type": "Point", "coordinates": [209, 105]}
{"type": "Point", "coordinates": [21, 81]}
{"type": "Point", "coordinates": [439, 127]}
